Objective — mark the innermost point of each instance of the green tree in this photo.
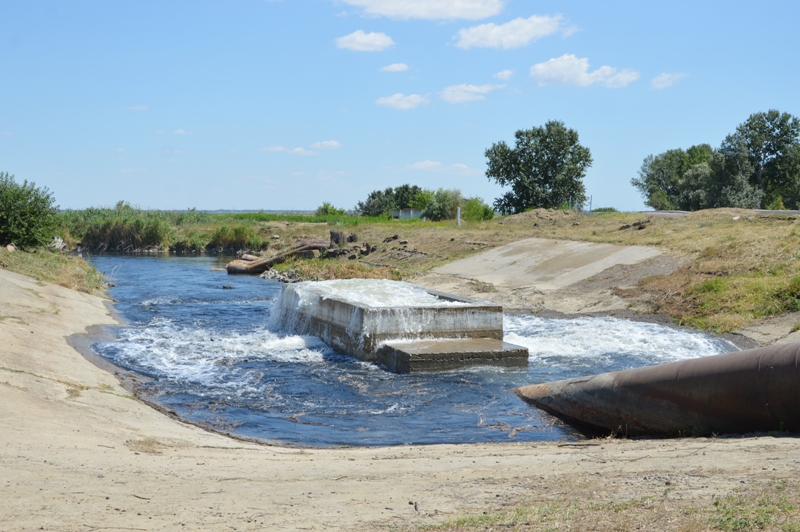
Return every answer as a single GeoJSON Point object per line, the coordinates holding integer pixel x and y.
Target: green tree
{"type": "Point", "coordinates": [27, 213]}
{"type": "Point", "coordinates": [661, 177]}
{"type": "Point", "coordinates": [771, 140]}
{"type": "Point", "coordinates": [476, 210]}
{"type": "Point", "coordinates": [404, 195]}
{"type": "Point", "coordinates": [443, 206]}
{"type": "Point", "coordinates": [422, 199]}
{"type": "Point", "coordinates": [378, 203]}
{"type": "Point", "coordinates": [545, 168]}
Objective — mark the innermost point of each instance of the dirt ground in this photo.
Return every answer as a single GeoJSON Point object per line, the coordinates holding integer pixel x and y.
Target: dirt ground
{"type": "Point", "coordinates": [78, 453]}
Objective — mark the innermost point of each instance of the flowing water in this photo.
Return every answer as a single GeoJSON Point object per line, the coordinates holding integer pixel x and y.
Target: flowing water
{"type": "Point", "coordinates": [213, 358]}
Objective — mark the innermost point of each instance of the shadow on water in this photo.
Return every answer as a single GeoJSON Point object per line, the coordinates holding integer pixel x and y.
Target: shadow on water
{"type": "Point", "coordinates": [211, 357]}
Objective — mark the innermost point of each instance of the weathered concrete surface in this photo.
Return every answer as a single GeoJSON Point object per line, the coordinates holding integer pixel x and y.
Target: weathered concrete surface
{"type": "Point", "coordinates": [775, 330]}
{"type": "Point", "coordinates": [359, 330]}
{"type": "Point", "coordinates": [740, 392]}
{"type": "Point", "coordinates": [441, 355]}
{"type": "Point", "coordinates": [544, 264]}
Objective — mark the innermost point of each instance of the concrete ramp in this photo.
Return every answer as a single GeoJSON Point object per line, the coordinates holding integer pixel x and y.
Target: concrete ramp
{"type": "Point", "coordinates": [544, 264]}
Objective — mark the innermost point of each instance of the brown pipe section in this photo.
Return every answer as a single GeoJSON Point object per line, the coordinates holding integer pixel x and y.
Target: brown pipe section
{"type": "Point", "coordinates": [745, 391]}
{"type": "Point", "coordinates": [260, 265]}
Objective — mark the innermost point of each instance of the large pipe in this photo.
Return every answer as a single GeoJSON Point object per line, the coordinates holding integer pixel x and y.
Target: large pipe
{"type": "Point", "coordinates": [744, 391]}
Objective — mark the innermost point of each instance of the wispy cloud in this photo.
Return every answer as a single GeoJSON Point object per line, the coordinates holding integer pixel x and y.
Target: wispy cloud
{"type": "Point", "coordinates": [6, 133]}
{"type": "Point", "coordinates": [402, 102]}
{"type": "Point", "coordinates": [430, 9]}
{"type": "Point", "coordinates": [514, 34]}
{"type": "Point", "coordinates": [395, 67]}
{"type": "Point", "coordinates": [327, 145]}
{"type": "Point", "coordinates": [137, 108]}
{"type": "Point", "coordinates": [436, 166]}
{"type": "Point", "coordinates": [666, 79]}
{"type": "Point", "coordinates": [467, 93]}
{"type": "Point", "coordinates": [359, 41]}
{"type": "Point", "coordinates": [292, 151]}
{"type": "Point", "coordinates": [182, 132]}
{"type": "Point", "coordinates": [571, 70]}
{"type": "Point", "coordinates": [504, 74]}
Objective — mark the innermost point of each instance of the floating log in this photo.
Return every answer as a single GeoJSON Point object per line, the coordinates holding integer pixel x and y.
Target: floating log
{"type": "Point", "coordinates": [745, 391]}
{"type": "Point", "coordinates": [256, 267]}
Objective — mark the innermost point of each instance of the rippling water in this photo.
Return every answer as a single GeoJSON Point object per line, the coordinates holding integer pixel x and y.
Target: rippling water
{"type": "Point", "coordinates": [214, 359]}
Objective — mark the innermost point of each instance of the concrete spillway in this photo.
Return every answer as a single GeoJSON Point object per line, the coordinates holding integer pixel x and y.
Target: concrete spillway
{"type": "Point", "coordinates": [745, 391]}
{"type": "Point", "coordinates": [404, 327]}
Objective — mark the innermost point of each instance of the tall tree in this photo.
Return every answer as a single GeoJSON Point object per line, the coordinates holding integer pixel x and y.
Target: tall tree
{"type": "Point", "coordinates": [545, 168]}
{"type": "Point", "coordinates": [661, 177]}
{"type": "Point", "coordinates": [771, 139]}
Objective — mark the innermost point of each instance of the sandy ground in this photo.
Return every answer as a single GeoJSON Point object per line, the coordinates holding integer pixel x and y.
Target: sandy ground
{"type": "Point", "coordinates": [79, 453]}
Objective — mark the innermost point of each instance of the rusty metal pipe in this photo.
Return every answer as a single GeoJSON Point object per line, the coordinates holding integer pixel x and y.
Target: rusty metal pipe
{"type": "Point", "coordinates": [745, 391]}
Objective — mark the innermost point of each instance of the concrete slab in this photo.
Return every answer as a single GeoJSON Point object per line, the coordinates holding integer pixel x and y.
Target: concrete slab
{"type": "Point", "coordinates": [461, 332]}
{"type": "Point", "coordinates": [544, 264]}
{"type": "Point", "coordinates": [440, 355]}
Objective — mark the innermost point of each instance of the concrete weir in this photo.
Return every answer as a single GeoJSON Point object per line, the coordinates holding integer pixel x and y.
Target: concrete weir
{"type": "Point", "coordinates": [404, 327]}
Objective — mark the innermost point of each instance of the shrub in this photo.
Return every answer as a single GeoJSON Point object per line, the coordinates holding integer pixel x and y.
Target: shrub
{"type": "Point", "coordinates": [605, 209]}
{"type": "Point", "coordinates": [235, 238]}
{"type": "Point", "coordinates": [476, 210]}
{"type": "Point", "coordinates": [27, 213]}
{"type": "Point", "coordinates": [327, 209]}
{"type": "Point", "coordinates": [443, 206]}
{"type": "Point", "coordinates": [422, 199]}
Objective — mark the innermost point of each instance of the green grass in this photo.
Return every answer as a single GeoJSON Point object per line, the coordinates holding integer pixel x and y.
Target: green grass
{"type": "Point", "coordinates": [53, 267]}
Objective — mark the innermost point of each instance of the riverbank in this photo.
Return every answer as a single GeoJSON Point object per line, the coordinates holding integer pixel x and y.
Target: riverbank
{"type": "Point", "coordinates": [79, 452]}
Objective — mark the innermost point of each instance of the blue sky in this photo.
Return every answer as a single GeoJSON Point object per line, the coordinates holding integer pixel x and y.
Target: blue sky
{"type": "Point", "coordinates": [259, 104]}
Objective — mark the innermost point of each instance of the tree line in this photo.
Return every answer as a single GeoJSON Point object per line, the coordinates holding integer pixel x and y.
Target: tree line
{"type": "Point", "coordinates": [441, 204]}
{"type": "Point", "coordinates": [756, 166]}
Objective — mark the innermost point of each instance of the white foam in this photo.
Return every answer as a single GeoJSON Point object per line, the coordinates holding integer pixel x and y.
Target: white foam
{"type": "Point", "coordinates": [371, 292]}
{"type": "Point", "coordinates": [201, 356]}
{"type": "Point", "coordinates": [587, 338]}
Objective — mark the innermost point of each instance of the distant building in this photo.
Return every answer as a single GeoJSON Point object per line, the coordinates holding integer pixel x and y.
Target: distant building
{"type": "Point", "coordinates": [406, 214]}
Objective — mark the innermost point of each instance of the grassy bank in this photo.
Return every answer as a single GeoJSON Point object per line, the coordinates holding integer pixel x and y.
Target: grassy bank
{"type": "Point", "coordinates": [53, 267]}
{"type": "Point", "coordinates": [128, 229]}
{"type": "Point", "coordinates": [774, 507]}
{"type": "Point", "coordinates": [739, 265]}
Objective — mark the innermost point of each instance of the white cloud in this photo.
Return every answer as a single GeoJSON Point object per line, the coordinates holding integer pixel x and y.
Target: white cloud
{"type": "Point", "coordinates": [359, 41]}
{"type": "Point", "coordinates": [571, 70]}
{"type": "Point", "coordinates": [665, 79]}
{"type": "Point", "coordinates": [425, 165]}
{"type": "Point", "coordinates": [435, 166]}
{"type": "Point", "coordinates": [182, 132]}
{"type": "Point", "coordinates": [301, 151]}
{"type": "Point", "coordinates": [430, 9]}
{"type": "Point", "coordinates": [402, 102]}
{"type": "Point", "coordinates": [326, 145]}
{"type": "Point", "coordinates": [513, 34]}
{"type": "Point", "coordinates": [504, 74]}
{"type": "Point", "coordinates": [137, 108]}
{"type": "Point", "coordinates": [467, 93]}
{"type": "Point", "coordinates": [293, 151]}
{"type": "Point", "coordinates": [395, 67]}
{"type": "Point", "coordinates": [6, 133]}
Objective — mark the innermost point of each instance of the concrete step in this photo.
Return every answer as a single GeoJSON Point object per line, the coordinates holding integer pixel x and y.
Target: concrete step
{"type": "Point", "coordinates": [414, 356]}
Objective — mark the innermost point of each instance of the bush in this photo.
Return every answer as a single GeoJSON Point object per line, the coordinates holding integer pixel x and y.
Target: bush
{"type": "Point", "coordinates": [235, 238]}
{"type": "Point", "coordinates": [327, 209]}
{"type": "Point", "coordinates": [443, 206]}
{"type": "Point", "coordinates": [27, 213]}
{"type": "Point", "coordinates": [422, 199]}
{"type": "Point", "coordinates": [605, 209]}
{"type": "Point", "coordinates": [475, 210]}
